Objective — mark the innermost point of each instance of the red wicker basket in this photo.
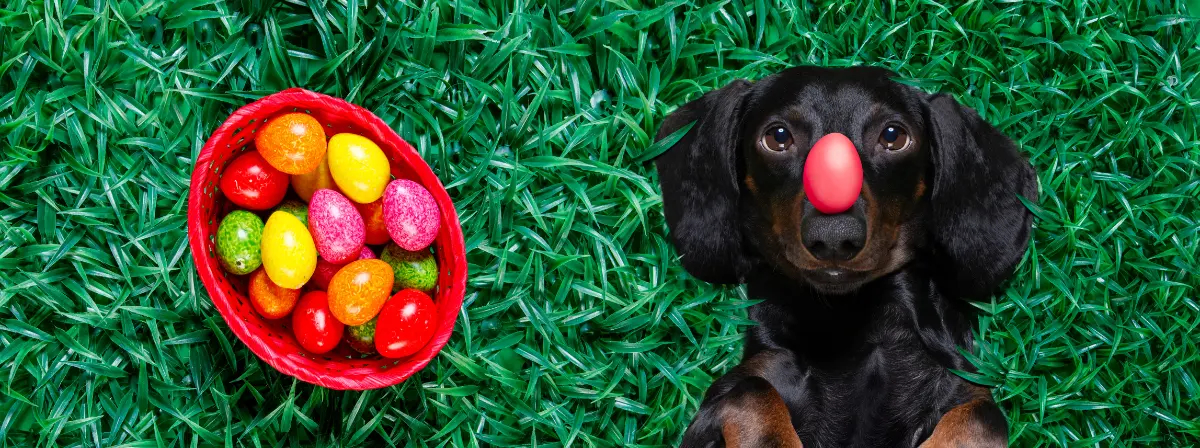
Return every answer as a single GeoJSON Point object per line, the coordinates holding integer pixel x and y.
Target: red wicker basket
{"type": "Point", "coordinates": [272, 341]}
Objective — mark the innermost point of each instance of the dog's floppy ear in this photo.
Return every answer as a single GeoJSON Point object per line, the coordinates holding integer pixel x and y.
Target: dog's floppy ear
{"type": "Point", "coordinates": [979, 226]}
{"type": "Point", "coordinates": [700, 188]}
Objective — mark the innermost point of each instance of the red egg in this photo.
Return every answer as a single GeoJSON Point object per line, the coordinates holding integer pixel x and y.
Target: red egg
{"type": "Point", "coordinates": [250, 182]}
{"type": "Point", "coordinates": [372, 214]}
{"type": "Point", "coordinates": [405, 324]}
{"type": "Point", "coordinates": [324, 273]}
{"type": "Point", "coordinates": [326, 270]}
{"type": "Point", "coordinates": [314, 325]}
{"type": "Point", "coordinates": [833, 174]}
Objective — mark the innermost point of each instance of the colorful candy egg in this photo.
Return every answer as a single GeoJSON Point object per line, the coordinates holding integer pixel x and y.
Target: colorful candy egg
{"type": "Point", "coordinates": [314, 326]}
{"type": "Point", "coordinates": [362, 337]}
{"type": "Point", "coordinates": [358, 166]}
{"type": "Point", "coordinates": [411, 214]}
{"type": "Point", "coordinates": [366, 254]}
{"type": "Point", "coordinates": [325, 269]}
{"type": "Point", "coordinates": [293, 143]}
{"type": "Point", "coordinates": [295, 208]}
{"type": "Point", "coordinates": [238, 241]}
{"type": "Point", "coordinates": [250, 182]}
{"type": "Point", "coordinates": [324, 273]}
{"type": "Point", "coordinates": [372, 214]}
{"type": "Point", "coordinates": [358, 290]}
{"type": "Point", "coordinates": [288, 253]}
{"type": "Point", "coordinates": [270, 300]}
{"type": "Point", "coordinates": [307, 184]}
{"type": "Point", "coordinates": [833, 174]}
{"type": "Point", "coordinates": [336, 226]}
{"type": "Point", "coordinates": [414, 270]}
{"type": "Point", "coordinates": [406, 323]}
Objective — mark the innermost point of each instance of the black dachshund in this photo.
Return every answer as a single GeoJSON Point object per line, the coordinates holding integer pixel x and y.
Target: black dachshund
{"type": "Point", "coordinates": [865, 311]}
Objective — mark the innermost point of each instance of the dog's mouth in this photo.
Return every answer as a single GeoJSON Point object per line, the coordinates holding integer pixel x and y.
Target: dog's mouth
{"type": "Point", "coordinates": [835, 280]}
{"type": "Point", "coordinates": [823, 277]}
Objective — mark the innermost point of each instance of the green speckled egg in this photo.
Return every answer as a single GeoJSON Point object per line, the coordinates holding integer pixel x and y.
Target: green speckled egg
{"type": "Point", "coordinates": [296, 208]}
{"type": "Point", "coordinates": [239, 242]}
{"type": "Point", "coordinates": [415, 270]}
{"type": "Point", "coordinates": [362, 337]}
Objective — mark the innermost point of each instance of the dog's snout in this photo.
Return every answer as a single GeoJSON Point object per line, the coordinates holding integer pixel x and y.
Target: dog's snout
{"type": "Point", "coordinates": [836, 237]}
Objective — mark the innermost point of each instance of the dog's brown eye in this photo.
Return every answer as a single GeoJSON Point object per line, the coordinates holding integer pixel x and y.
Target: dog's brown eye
{"type": "Point", "coordinates": [777, 139]}
{"type": "Point", "coordinates": [894, 138]}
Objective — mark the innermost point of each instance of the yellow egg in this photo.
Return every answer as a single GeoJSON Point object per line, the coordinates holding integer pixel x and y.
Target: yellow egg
{"type": "Point", "coordinates": [359, 167]}
{"type": "Point", "coordinates": [307, 183]}
{"type": "Point", "coordinates": [288, 253]}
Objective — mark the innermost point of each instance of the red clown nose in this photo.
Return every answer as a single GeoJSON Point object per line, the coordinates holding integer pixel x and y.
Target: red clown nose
{"type": "Point", "coordinates": [833, 174]}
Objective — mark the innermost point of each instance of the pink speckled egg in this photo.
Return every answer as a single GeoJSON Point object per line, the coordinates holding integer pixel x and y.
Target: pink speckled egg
{"type": "Point", "coordinates": [411, 214]}
{"type": "Point", "coordinates": [336, 226]}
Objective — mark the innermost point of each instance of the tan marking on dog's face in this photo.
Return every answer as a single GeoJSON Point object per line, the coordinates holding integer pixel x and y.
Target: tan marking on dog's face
{"type": "Point", "coordinates": [750, 184]}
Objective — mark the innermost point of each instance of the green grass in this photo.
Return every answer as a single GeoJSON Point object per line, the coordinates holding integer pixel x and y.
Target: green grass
{"type": "Point", "coordinates": [579, 326]}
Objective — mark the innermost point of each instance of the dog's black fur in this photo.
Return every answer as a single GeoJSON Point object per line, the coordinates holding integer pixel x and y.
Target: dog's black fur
{"type": "Point", "coordinates": [861, 357]}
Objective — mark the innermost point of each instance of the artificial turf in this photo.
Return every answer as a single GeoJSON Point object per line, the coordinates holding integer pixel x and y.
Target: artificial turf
{"type": "Point", "coordinates": [579, 326]}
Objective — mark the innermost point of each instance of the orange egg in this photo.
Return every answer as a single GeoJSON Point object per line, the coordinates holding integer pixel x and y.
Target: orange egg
{"type": "Point", "coordinates": [359, 290]}
{"type": "Point", "coordinates": [372, 215]}
{"type": "Point", "coordinates": [270, 300]}
{"type": "Point", "coordinates": [293, 143]}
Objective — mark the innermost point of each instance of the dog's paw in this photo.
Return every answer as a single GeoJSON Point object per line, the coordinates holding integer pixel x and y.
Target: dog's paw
{"type": "Point", "coordinates": [751, 414]}
{"type": "Point", "coordinates": [964, 441]}
{"type": "Point", "coordinates": [973, 425]}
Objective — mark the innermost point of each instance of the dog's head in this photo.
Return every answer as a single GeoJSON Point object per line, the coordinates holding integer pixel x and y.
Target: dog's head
{"type": "Point", "coordinates": [937, 181]}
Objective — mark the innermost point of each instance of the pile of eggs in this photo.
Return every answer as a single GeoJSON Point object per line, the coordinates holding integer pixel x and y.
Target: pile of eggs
{"type": "Point", "coordinates": [314, 259]}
